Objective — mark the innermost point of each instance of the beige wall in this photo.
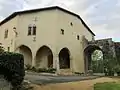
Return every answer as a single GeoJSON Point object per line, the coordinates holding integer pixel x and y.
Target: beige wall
{"type": "Point", "coordinates": [8, 42]}
{"type": "Point", "coordinates": [45, 33]}
{"type": "Point", "coordinates": [49, 23]}
{"type": "Point", "coordinates": [69, 39]}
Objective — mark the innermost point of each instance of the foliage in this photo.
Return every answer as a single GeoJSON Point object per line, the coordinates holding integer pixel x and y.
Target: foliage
{"type": "Point", "coordinates": [12, 67]}
{"type": "Point", "coordinates": [107, 86]}
{"type": "Point", "coordinates": [49, 70]}
{"type": "Point", "coordinates": [28, 67]}
{"type": "Point", "coordinates": [1, 49]}
{"type": "Point", "coordinates": [39, 70]}
{"type": "Point", "coordinates": [97, 62]}
{"type": "Point", "coordinates": [78, 73]}
{"type": "Point", "coordinates": [90, 72]}
{"type": "Point", "coordinates": [117, 69]}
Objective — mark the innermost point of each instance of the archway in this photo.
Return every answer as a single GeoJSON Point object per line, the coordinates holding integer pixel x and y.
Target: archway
{"type": "Point", "coordinates": [26, 52]}
{"type": "Point", "coordinates": [44, 57]}
{"type": "Point", "coordinates": [93, 54]}
{"type": "Point", "coordinates": [64, 58]}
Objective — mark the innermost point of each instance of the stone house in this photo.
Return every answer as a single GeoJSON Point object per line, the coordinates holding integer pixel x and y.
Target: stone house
{"type": "Point", "coordinates": [47, 37]}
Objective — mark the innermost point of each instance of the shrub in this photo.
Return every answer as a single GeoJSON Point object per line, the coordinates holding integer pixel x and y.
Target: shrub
{"type": "Point", "coordinates": [28, 67]}
{"type": "Point", "coordinates": [33, 69]}
{"type": "Point", "coordinates": [51, 70]}
{"type": "Point", "coordinates": [90, 72]}
{"type": "Point", "coordinates": [42, 70]}
{"type": "Point", "coordinates": [117, 70]}
{"type": "Point", "coordinates": [1, 48]}
{"type": "Point", "coordinates": [12, 67]}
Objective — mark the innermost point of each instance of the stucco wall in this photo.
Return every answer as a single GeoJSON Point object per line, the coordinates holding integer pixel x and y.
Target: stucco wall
{"type": "Point", "coordinates": [45, 33]}
{"type": "Point", "coordinates": [49, 24]}
{"type": "Point", "coordinates": [8, 42]}
{"type": "Point", "coordinates": [69, 39]}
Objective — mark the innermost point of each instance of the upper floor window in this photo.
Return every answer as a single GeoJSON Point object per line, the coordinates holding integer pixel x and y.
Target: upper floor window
{"type": "Point", "coordinates": [78, 37]}
{"type": "Point", "coordinates": [34, 30]}
{"type": "Point", "coordinates": [8, 49]}
{"type": "Point", "coordinates": [62, 31]}
{"type": "Point", "coordinates": [6, 34]}
{"type": "Point", "coordinates": [71, 24]}
{"type": "Point", "coordinates": [29, 30]}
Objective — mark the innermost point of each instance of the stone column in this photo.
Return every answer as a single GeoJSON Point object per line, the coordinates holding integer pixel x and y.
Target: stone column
{"type": "Point", "coordinates": [33, 61]}
{"type": "Point", "coordinates": [56, 63]}
{"type": "Point", "coordinates": [34, 58]}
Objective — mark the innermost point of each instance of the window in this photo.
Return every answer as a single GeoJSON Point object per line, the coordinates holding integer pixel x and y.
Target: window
{"type": "Point", "coordinates": [62, 31]}
{"type": "Point", "coordinates": [71, 24]}
{"type": "Point", "coordinates": [6, 34]}
{"type": "Point", "coordinates": [78, 38]}
{"type": "Point", "coordinates": [8, 49]}
{"type": "Point", "coordinates": [34, 30]}
{"type": "Point", "coordinates": [29, 30]}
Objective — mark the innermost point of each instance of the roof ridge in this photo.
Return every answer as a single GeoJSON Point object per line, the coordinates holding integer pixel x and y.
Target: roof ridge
{"type": "Point", "coordinates": [42, 9]}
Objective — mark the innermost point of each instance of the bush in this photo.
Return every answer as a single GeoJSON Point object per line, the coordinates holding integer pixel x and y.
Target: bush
{"type": "Point", "coordinates": [1, 49]}
{"type": "Point", "coordinates": [28, 67]}
{"type": "Point", "coordinates": [90, 72]}
{"type": "Point", "coordinates": [33, 69]}
{"type": "Point", "coordinates": [51, 70]}
{"type": "Point", "coordinates": [117, 70]}
{"type": "Point", "coordinates": [12, 67]}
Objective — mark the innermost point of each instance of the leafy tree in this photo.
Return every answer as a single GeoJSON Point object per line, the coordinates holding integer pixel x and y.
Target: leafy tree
{"type": "Point", "coordinates": [97, 62]}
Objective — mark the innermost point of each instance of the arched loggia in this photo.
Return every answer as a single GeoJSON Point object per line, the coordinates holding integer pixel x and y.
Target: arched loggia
{"type": "Point", "coordinates": [26, 52]}
{"type": "Point", "coordinates": [64, 58]}
{"type": "Point", "coordinates": [44, 57]}
{"type": "Point", "coordinates": [88, 51]}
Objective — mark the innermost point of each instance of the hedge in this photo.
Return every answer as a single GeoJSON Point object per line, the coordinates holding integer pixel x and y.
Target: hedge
{"type": "Point", "coordinates": [12, 68]}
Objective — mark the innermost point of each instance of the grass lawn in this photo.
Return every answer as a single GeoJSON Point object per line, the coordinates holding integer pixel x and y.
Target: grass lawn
{"type": "Point", "coordinates": [107, 86]}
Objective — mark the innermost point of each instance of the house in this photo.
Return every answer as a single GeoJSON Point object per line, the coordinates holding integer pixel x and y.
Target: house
{"type": "Point", "coordinates": [47, 37]}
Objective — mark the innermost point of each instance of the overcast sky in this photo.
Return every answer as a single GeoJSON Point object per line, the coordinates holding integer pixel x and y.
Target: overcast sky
{"type": "Point", "coordinates": [102, 16]}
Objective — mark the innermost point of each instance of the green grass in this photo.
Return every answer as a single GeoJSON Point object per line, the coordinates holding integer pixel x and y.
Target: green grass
{"type": "Point", "coordinates": [107, 86]}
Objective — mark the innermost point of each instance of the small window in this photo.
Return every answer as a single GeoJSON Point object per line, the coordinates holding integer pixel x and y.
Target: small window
{"type": "Point", "coordinates": [29, 30]}
{"type": "Point", "coordinates": [34, 30]}
{"type": "Point", "coordinates": [6, 34]}
{"type": "Point", "coordinates": [62, 31]}
{"type": "Point", "coordinates": [78, 38]}
{"type": "Point", "coordinates": [71, 24]}
{"type": "Point", "coordinates": [8, 49]}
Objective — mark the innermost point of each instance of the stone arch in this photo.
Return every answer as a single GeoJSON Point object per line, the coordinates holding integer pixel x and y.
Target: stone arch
{"type": "Point", "coordinates": [44, 57]}
{"type": "Point", "coordinates": [26, 52]}
{"type": "Point", "coordinates": [87, 55]}
{"type": "Point", "coordinates": [64, 58]}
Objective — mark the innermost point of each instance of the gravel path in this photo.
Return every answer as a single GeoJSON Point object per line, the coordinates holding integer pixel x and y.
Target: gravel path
{"type": "Point", "coordinates": [79, 85]}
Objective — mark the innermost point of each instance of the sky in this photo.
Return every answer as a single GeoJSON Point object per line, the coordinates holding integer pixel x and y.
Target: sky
{"type": "Point", "coordinates": [102, 16]}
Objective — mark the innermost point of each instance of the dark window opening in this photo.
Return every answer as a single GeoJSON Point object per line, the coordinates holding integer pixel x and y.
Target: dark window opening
{"type": "Point", "coordinates": [78, 38]}
{"type": "Point", "coordinates": [62, 31]}
{"type": "Point", "coordinates": [64, 59]}
{"type": "Point", "coordinates": [8, 49]}
{"type": "Point", "coordinates": [34, 30]}
{"type": "Point", "coordinates": [29, 30]}
{"type": "Point", "coordinates": [71, 24]}
{"type": "Point", "coordinates": [6, 34]}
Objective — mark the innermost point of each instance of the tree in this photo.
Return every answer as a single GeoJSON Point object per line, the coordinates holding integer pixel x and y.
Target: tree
{"type": "Point", "coordinates": [97, 61]}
